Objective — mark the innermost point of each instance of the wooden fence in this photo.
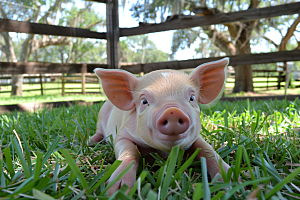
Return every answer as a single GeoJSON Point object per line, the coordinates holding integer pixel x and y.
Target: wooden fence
{"type": "Point", "coordinates": [88, 83]}
{"type": "Point", "coordinates": [267, 79]}
{"type": "Point", "coordinates": [114, 32]}
{"type": "Point", "coordinates": [41, 84]}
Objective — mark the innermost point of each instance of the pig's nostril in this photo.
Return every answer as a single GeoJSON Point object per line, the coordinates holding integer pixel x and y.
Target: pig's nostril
{"type": "Point", "coordinates": [180, 121]}
{"type": "Point", "coordinates": [165, 122]}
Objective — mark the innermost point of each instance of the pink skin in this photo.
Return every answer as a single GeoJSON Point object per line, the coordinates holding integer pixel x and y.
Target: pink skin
{"type": "Point", "coordinates": [157, 112]}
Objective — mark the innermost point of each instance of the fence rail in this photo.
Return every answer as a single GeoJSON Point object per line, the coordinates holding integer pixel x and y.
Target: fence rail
{"type": "Point", "coordinates": [83, 83]}
{"type": "Point", "coordinates": [58, 84]}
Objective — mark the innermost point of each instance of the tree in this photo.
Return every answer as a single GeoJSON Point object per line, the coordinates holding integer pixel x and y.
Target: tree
{"type": "Point", "coordinates": [58, 12]}
{"type": "Point", "coordinates": [231, 38]}
{"type": "Point", "coordinates": [140, 49]}
{"type": "Point", "coordinates": [285, 43]}
{"type": "Point", "coordinates": [290, 24]}
{"type": "Point", "coordinates": [8, 13]}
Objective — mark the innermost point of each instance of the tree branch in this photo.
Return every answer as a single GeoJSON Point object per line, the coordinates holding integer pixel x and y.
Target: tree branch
{"type": "Point", "coordinates": [289, 34]}
{"type": "Point", "coordinates": [2, 11]}
{"type": "Point", "coordinates": [10, 52]}
{"type": "Point", "coordinates": [51, 9]}
{"type": "Point", "coordinates": [233, 28]}
{"type": "Point", "coordinates": [271, 41]}
{"type": "Point", "coordinates": [238, 33]}
{"type": "Point", "coordinates": [79, 14]}
{"type": "Point", "coordinates": [9, 49]}
{"type": "Point", "coordinates": [254, 4]}
{"type": "Point", "coordinates": [35, 14]}
{"type": "Point", "coordinates": [47, 41]}
{"type": "Point", "coordinates": [92, 24]}
{"type": "Point", "coordinates": [78, 56]}
{"type": "Point", "coordinates": [25, 50]}
{"type": "Point", "coordinates": [220, 40]}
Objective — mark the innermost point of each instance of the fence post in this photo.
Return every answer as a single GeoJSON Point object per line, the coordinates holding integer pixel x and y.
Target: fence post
{"type": "Point", "coordinates": [41, 83]}
{"type": "Point", "coordinates": [63, 85]}
{"type": "Point", "coordinates": [288, 70]}
{"type": "Point", "coordinates": [268, 81]}
{"type": "Point", "coordinates": [83, 73]}
{"type": "Point", "coordinates": [112, 34]}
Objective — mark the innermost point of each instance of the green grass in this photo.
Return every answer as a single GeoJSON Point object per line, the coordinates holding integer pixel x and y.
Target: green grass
{"type": "Point", "coordinates": [44, 155]}
{"type": "Point", "coordinates": [50, 98]}
{"type": "Point", "coordinates": [55, 89]}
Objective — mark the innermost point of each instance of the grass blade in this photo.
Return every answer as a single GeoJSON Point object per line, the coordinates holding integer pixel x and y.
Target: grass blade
{"type": "Point", "coordinates": [198, 192]}
{"type": "Point", "coordinates": [74, 168]}
{"type": "Point", "coordinates": [21, 157]}
{"type": "Point", "coordinates": [152, 195]}
{"type": "Point", "coordinates": [119, 176]}
{"type": "Point", "coordinates": [9, 162]}
{"type": "Point", "coordinates": [142, 177]}
{"type": "Point", "coordinates": [171, 166]}
{"type": "Point", "coordinates": [52, 149]}
{"type": "Point", "coordinates": [1, 164]}
{"type": "Point", "coordinates": [109, 172]}
{"type": "Point", "coordinates": [206, 190]}
{"type": "Point", "coordinates": [185, 166]}
{"type": "Point", "coordinates": [218, 195]}
{"type": "Point", "coordinates": [38, 165]}
{"type": "Point", "coordinates": [40, 195]}
{"type": "Point", "coordinates": [282, 183]}
{"type": "Point", "coordinates": [160, 176]}
{"type": "Point", "coordinates": [27, 153]}
{"type": "Point", "coordinates": [238, 162]}
{"type": "Point", "coordinates": [242, 185]}
{"type": "Point", "coordinates": [249, 167]}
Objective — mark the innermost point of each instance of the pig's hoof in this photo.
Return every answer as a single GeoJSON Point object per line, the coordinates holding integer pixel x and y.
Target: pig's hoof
{"type": "Point", "coordinates": [115, 187]}
{"type": "Point", "coordinates": [92, 144]}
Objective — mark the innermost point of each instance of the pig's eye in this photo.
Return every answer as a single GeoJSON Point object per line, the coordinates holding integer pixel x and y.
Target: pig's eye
{"type": "Point", "coordinates": [144, 101]}
{"type": "Point", "coordinates": [192, 98]}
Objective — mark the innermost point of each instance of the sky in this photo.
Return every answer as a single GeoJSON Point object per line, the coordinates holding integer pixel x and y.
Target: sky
{"type": "Point", "coordinates": [163, 40]}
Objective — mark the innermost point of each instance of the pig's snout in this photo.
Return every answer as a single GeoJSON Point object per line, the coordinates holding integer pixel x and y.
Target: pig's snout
{"type": "Point", "coordinates": [172, 122]}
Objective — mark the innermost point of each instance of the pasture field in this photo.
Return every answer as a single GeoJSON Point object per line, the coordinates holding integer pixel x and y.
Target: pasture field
{"type": "Point", "coordinates": [45, 155]}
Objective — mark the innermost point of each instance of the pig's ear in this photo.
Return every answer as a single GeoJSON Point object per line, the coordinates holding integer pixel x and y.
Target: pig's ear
{"type": "Point", "coordinates": [118, 86]}
{"type": "Point", "coordinates": [210, 79]}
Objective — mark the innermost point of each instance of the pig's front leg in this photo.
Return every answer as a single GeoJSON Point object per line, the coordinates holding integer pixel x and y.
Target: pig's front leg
{"type": "Point", "coordinates": [211, 157]}
{"type": "Point", "coordinates": [126, 151]}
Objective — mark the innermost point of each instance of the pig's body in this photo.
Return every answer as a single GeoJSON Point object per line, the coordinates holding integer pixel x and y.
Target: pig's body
{"type": "Point", "coordinates": [157, 112]}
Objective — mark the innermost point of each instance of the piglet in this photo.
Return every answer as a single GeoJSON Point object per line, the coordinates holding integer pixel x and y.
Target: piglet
{"type": "Point", "coordinates": [156, 112]}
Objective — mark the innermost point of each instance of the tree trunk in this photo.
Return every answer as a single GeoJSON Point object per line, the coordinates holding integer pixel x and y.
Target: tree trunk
{"type": "Point", "coordinates": [243, 74]}
{"type": "Point", "coordinates": [16, 84]}
{"type": "Point", "coordinates": [243, 79]}
{"type": "Point", "coordinates": [241, 33]}
{"type": "Point", "coordinates": [16, 80]}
